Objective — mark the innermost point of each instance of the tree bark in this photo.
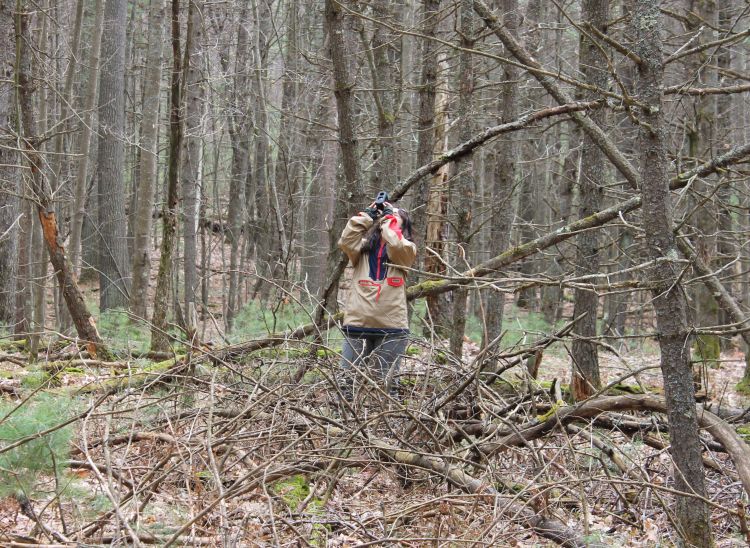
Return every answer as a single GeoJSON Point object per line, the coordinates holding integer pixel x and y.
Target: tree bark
{"type": "Point", "coordinates": [191, 161]}
{"type": "Point", "coordinates": [84, 139]}
{"type": "Point", "coordinates": [349, 194]}
{"type": "Point", "coordinates": [10, 177]}
{"type": "Point", "coordinates": [504, 177]}
{"type": "Point", "coordinates": [532, 183]}
{"type": "Point", "coordinates": [462, 191]}
{"type": "Point", "coordinates": [114, 263]}
{"type": "Point", "coordinates": [159, 337]}
{"type": "Point", "coordinates": [239, 129]}
{"type": "Point", "coordinates": [699, 123]}
{"type": "Point", "coordinates": [82, 319]}
{"type": "Point", "coordinates": [386, 57]}
{"type": "Point", "coordinates": [668, 295]}
{"type": "Point", "coordinates": [149, 155]}
{"type": "Point", "coordinates": [593, 65]}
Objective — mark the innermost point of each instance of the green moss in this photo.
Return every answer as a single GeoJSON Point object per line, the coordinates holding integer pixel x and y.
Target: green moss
{"type": "Point", "coordinates": [34, 379]}
{"type": "Point", "coordinates": [552, 412]}
{"type": "Point", "coordinates": [743, 387]}
{"type": "Point", "coordinates": [622, 388]}
{"type": "Point", "coordinates": [413, 351]}
{"type": "Point", "coordinates": [744, 432]}
{"type": "Point", "coordinates": [441, 357]}
{"type": "Point", "coordinates": [707, 349]}
{"type": "Point", "coordinates": [424, 287]}
{"type": "Point", "coordinates": [292, 490]}
{"type": "Point", "coordinates": [14, 346]}
{"type": "Point", "coordinates": [138, 378]}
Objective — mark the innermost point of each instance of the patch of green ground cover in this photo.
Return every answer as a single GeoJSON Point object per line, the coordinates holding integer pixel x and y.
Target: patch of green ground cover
{"type": "Point", "coordinates": [255, 320]}
{"type": "Point", "coordinates": [37, 377]}
{"type": "Point", "coordinates": [22, 467]}
{"type": "Point", "coordinates": [122, 333]}
{"type": "Point", "coordinates": [293, 491]}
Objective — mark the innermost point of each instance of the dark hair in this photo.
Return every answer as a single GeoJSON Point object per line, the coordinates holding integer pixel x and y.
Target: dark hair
{"type": "Point", "coordinates": [372, 236]}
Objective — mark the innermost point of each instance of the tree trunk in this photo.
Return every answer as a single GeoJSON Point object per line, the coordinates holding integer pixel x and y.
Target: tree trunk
{"type": "Point", "coordinates": [10, 177]}
{"type": "Point", "coordinates": [700, 129]}
{"type": "Point", "coordinates": [239, 129]}
{"type": "Point", "coordinates": [113, 264]}
{"type": "Point", "coordinates": [191, 158]}
{"type": "Point", "coordinates": [462, 191]}
{"type": "Point", "coordinates": [84, 139]}
{"type": "Point", "coordinates": [386, 57]}
{"type": "Point", "coordinates": [585, 378]}
{"type": "Point", "coordinates": [22, 318]}
{"type": "Point", "coordinates": [260, 199]}
{"type": "Point", "coordinates": [159, 337]}
{"type": "Point", "coordinates": [504, 177]}
{"type": "Point", "coordinates": [82, 319]}
{"type": "Point", "coordinates": [349, 194]}
{"type": "Point", "coordinates": [288, 158]}
{"type": "Point", "coordinates": [427, 211]}
{"type": "Point", "coordinates": [528, 200]}
{"type": "Point", "coordinates": [147, 173]}
{"type": "Point", "coordinates": [668, 295]}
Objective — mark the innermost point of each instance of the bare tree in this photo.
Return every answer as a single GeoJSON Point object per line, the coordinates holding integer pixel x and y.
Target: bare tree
{"type": "Point", "coordinates": [114, 263]}
{"type": "Point", "coordinates": [84, 139]}
{"type": "Point", "coordinates": [191, 156]}
{"type": "Point", "coordinates": [350, 194]}
{"type": "Point", "coordinates": [503, 176]}
{"type": "Point", "coordinates": [9, 172]}
{"type": "Point", "coordinates": [147, 175]}
{"type": "Point", "coordinates": [385, 64]}
{"type": "Point", "coordinates": [668, 294]}
{"type": "Point", "coordinates": [82, 319]}
{"type": "Point", "coordinates": [159, 338]}
{"type": "Point", "coordinates": [462, 185]}
{"type": "Point", "coordinates": [593, 65]}
{"type": "Point", "coordinates": [239, 131]}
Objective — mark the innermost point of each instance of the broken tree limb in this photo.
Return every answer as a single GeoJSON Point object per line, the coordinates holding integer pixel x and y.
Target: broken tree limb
{"type": "Point", "coordinates": [434, 287]}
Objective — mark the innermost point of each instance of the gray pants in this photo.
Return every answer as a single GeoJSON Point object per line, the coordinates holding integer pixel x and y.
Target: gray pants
{"type": "Point", "coordinates": [384, 352]}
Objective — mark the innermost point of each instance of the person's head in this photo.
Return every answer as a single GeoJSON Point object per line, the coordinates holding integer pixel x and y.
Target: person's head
{"type": "Point", "coordinates": [372, 237]}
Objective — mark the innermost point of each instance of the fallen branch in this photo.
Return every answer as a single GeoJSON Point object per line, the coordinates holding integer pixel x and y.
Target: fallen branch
{"type": "Point", "coordinates": [737, 449]}
{"type": "Point", "coordinates": [546, 527]}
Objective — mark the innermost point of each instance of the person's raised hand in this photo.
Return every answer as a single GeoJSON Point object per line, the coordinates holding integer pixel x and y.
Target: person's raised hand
{"type": "Point", "coordinates": [372, 211]}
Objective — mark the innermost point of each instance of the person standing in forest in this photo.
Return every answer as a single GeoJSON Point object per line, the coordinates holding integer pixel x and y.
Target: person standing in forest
{"type": "Point", "coordinates": [378, 242]}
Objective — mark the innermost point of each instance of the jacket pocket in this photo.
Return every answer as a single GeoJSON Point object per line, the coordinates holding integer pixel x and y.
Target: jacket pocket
{"type": "Point", "coordinates": [395, 281]}
{"type": "Point", "coordinates": [369, 288]}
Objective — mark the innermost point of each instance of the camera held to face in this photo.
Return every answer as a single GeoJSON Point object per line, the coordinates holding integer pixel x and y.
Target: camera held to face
{"type": "Point", "coordinates": [381, 200]}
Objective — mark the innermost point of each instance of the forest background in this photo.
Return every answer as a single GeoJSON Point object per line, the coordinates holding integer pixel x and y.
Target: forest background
{"type": "Point", "coordinates": [174, 176]}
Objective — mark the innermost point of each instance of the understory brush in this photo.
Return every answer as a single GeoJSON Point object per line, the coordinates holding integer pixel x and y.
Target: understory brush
{"type": "Point", "coordinates": [22, 468]}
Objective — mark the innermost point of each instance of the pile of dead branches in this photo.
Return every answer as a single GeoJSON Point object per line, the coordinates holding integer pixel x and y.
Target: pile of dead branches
{"type": "Point", "coordinates": [238, 452]}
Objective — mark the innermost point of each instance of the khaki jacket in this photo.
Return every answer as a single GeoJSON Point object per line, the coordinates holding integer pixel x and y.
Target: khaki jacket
{"type": "Point", "coordinates": [377, 298]}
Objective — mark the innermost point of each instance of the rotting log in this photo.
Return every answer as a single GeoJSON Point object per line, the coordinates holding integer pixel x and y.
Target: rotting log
{"type": "Point", "coordinates": [142, 375]}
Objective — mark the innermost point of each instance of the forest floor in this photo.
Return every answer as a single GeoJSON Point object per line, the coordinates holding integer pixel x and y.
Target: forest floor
{"type": "Point", "coordinates": [232, 452]}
